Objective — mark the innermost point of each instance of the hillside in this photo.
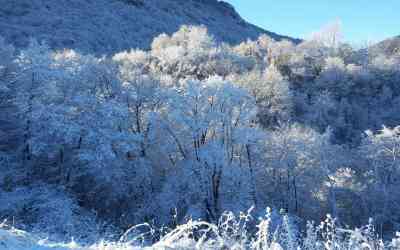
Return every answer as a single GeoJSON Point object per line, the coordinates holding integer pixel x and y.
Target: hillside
{"type": "Point", "coordinates": [106, 26]}
{"type": "Point", "coordinates": [388, 47]}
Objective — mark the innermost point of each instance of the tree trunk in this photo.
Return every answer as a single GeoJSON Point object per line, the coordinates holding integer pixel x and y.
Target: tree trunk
{"type": "Point", "coordinates": [253, 185]}
{"type": "Point", "coordinates": [295, 194]}
{"type": "Point", "coordinates": [216, 183]}
{"type": "Point", "coordinates": [28, 132]}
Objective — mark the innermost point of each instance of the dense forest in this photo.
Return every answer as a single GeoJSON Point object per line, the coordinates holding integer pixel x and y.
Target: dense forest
{"type": "Point", "coordinates": [192, 128]}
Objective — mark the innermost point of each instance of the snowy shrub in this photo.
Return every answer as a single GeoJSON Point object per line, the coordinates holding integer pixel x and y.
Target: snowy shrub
{"type": "Point", "coordinates": [230, 233]}
{"type": "Point", "coordinates": [48, 211]}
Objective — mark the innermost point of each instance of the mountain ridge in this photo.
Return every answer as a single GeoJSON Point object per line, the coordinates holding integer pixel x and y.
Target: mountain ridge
{"type": "Point", "coordinates": [388, 46]}
{"type": "Point", "coordinates": [107, 26]}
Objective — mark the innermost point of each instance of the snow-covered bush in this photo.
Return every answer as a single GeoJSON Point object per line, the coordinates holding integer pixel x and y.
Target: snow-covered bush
{"type": "Point", "coordinates": [232, 232]}
{"type": "Point", "coordinates": [48, 211]}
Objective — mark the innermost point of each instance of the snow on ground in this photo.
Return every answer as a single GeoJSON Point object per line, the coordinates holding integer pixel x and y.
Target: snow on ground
{"type": "Point", "coordinates": [13, 239]}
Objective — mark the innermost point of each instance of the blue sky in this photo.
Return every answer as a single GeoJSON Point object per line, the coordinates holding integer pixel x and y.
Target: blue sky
{"type": "Point", "coordinates": [362, 20]}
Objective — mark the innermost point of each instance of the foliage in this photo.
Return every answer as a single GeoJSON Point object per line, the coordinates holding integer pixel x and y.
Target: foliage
{"type": "Point", "coordinates": [193, 128]}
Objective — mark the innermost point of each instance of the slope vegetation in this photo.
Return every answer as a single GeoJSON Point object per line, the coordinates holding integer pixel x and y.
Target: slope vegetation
{"type": "Point", "coordinates": [106, 26]}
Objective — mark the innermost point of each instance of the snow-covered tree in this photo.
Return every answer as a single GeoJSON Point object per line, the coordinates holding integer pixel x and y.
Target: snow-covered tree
{"type": "Point", "coordinates": [9, 122]}
{"type": "Point", "coordinates": [210, 123]}
{"type": "Point", "coordinates": [185, 53]}
{"type": "Point", "coordinates": [194, 127]}
{"type": "Point", "coordinates": [193, 53]}
{"type": "Point", "coordinates": [271, 92]}
{"type": "Point", "coordinates": [330, 34]}
{"type": "Point", "coordinates": [382, 172]}
{"type": "Point", "coordinates": [302, 165]}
